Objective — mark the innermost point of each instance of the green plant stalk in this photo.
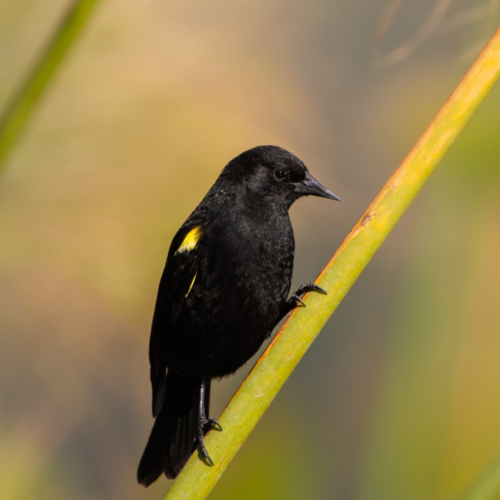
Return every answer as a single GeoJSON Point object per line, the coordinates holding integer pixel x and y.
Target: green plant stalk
{"type": "Point", "coordinates": [488, 485]}
{"type": "Point", "coordinates": [293, 339]}
{"type": "Point", "coordinates": [20, 109]}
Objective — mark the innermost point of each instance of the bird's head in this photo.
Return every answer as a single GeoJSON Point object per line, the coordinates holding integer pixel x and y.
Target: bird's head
{"type": "Point", "coordinates": [271, 173]}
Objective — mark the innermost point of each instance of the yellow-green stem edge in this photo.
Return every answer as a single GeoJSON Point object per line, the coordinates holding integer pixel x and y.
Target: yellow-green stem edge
{"type": "Point", "coordinates": [487, 486]}
{"type": "Point", "coordinates": [293, 339]}
{"type": "Point", "coordinates": [20, 109]}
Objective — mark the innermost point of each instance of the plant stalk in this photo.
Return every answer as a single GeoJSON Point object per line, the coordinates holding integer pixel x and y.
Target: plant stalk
{"type": "Point", "coordinates": [19, 110]}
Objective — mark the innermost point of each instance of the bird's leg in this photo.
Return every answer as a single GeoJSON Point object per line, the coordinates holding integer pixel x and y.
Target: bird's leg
{"type": "Point", "coordinates": [296, 299]}
{"type": "Point", "coordinates": [203, 422]}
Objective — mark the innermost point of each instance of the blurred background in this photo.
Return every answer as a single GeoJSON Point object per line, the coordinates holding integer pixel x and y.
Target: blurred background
{"type": "Point", "coordinates": [399, 396]}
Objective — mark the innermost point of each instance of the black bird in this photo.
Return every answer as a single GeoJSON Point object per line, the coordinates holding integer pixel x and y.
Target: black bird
{"type": "Point", "coordinates": [223, 290]}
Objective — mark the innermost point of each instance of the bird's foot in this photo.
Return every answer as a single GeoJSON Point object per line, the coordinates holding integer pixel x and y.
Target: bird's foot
{"type": "Point", "coordinates": [296, 299]}
{"type": "Point", "coordinates": [310, 287]}
{"type": "Point", "coordinates": [204, 424]}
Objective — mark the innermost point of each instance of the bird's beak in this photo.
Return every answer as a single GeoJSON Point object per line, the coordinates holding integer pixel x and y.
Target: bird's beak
{"type": "Point", "coordinates": [310, 186]}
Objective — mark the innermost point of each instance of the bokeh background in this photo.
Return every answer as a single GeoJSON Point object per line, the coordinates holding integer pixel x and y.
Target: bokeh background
{"type": "Point", "coordinates": [399, 396]}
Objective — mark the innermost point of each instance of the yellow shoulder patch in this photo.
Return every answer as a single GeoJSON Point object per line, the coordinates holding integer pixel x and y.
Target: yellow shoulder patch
{"type": "Point", "coordinates": [191, 285]}
{"type": "Point", "coordinates": [190, 240]}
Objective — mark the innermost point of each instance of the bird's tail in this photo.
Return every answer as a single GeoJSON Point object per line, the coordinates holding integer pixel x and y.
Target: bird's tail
{"type": "Point", "coordinates": [173, 437]}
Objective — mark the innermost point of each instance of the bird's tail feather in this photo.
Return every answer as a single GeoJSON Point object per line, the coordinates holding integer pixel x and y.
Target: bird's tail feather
{"type": "Point", "coordinates": [173, 437]}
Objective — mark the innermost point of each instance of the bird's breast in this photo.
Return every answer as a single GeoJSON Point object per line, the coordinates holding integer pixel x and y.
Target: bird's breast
{"type": "Point", "coordinates": [258, 253]}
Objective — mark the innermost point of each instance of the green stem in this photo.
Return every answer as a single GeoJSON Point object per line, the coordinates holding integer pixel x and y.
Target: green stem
{"type": "Point", "coordinates": [291, 342]}
{"type": "Point", "coordinates": [488, 486]}
{"type": "Point", "coordinates": [18, 112]}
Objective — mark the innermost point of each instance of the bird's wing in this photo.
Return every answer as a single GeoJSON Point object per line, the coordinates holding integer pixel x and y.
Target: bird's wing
{"type": "Point", "coordinates": [175, 285]}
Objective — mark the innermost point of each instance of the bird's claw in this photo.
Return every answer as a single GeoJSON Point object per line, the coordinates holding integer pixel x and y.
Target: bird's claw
{"type": "Point", "coordinates": [211, 421]}
{"type": "Point", "coordinates": [202, 424]}
{"type": "Point", "coordinates": [214, 424]}
{"type": "Point", "coordinates": [316, 288]}
{"type": "Point", "coordinates": [298, 301]}
{"type": "Point", "coordinates": [204, 452]}
{"type": "Point", "coordinates": [310, 287]}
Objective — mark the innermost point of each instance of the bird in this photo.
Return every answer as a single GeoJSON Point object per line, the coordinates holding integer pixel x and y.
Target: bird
{"type": "Point", "coordinates": [224, 288]}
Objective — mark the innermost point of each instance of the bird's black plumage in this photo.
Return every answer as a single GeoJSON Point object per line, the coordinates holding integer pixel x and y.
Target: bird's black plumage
{"type": "Point", "coordinates": [223, 290]}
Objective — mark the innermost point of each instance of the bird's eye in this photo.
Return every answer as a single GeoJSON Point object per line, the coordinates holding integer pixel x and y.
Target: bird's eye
{"type": "Point", "coordinates": [279, 174]}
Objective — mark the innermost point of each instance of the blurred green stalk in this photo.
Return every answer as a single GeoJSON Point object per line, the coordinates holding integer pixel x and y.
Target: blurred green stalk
{"type": "Point", "coordinates": [488, 486]}
{"type": "Point", "coordinates": [19, 110]}
{"type": "Point", "coordinates": [293, 339]}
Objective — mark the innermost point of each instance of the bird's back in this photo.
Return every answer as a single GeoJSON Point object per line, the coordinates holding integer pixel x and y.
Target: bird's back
{"type": "Point", "coordinates": [244, 272]}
